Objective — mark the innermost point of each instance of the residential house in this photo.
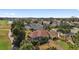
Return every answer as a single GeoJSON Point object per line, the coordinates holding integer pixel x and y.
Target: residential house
{"type": "Point", "coordinates": [54, 34]}
{"type": "Point", "coordinates": [46, 22]}
{"type": "Point", "coordinates": [34, 26]}
{"type": "Point", "coordinates": [41, 36]}
{"type": "Point", "coordinates": [55, 23]}
{"type": "Point", "coordinates": [74, 30]}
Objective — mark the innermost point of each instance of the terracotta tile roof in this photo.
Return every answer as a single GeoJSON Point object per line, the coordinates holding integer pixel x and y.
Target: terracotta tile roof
{"type": "Point", "coordinates": [39, 33]}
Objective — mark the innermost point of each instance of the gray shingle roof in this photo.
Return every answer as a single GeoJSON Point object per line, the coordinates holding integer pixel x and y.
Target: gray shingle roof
{"type": "Point", "coordinates": [34, 26]}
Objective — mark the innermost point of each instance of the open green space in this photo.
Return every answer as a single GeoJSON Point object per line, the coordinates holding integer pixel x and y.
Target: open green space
{"type": "Point", "coordinates": [63, 44]}
{"type": "Point", "coordinates": [4, 40]}
{"type": "Point", "coordinates": [5, 43]}
{"type": "Point", "coordinates": [3, 22]}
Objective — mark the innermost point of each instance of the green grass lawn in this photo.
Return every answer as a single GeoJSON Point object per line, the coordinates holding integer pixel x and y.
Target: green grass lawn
{"type": "Point", "coordinates": [3, 22]}
{"type": "Point", "coordinates": [63, 44]}
{"type": "Point", "coordinates": [5, 43]}
{"type": "Point", "coordinates": [4, 40]}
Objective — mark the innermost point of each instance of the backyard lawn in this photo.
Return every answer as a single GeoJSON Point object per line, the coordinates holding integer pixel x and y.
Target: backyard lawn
{"type": "Point", "coordinates": [63, 44]}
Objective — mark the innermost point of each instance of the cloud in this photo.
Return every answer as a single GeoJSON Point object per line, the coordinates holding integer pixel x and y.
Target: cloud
{"type": "Point", "coordinates": [12, 13]}
{"type": "Point", "coordinates": [9, 14]}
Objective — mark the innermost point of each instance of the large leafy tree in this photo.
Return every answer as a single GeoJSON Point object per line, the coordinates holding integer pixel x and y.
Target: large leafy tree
{"type": "Point", "coordinates": [26, 45]}
{"type": "Point", "coordinates": [18, 31]}
{"type": "Point", "coordinates": [64, 28]}
{"type": "Point", "coordinates": [76, 39]}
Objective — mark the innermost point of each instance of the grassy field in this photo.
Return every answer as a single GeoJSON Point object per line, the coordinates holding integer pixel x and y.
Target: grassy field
{"type": "Point", "coordinates": [4, 40]}
{"type": "Point", "coordinates": [3, 22]}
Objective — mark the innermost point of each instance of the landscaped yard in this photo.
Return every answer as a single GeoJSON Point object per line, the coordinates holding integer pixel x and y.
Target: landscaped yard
{"type": "Point", "coordinates": [63, 44]}
{"type": "Point", "coordinates": [27, 33]}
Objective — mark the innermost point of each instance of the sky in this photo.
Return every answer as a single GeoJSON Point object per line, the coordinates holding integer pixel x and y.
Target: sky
{"type": "Point", "coordinates": [39, 12]}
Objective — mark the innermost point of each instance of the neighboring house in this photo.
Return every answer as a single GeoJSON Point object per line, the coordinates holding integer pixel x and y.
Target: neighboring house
{"type": "Point", "coordinates": [53, 34]}
{"type": "Point", "coordinates": [41, 36]}
{"type": "Point", "coordinates": [55, 23]}
{"type": "Point", "coordinates": [74, 30]}
{"type": "Point", "coordinates": [46, 22]}
{"type": "Point", "coordinates": [39, 33]}
{"type": "Point", "coordinates": [27, 27]}
{"type": "Point", "coordinates": [76, 22]}
{"type": "Point", "coordinates": [34, 26]}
